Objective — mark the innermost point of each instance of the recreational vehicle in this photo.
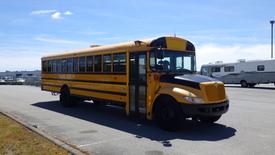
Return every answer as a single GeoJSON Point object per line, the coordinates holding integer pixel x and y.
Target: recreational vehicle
{"type": "Point", "coordinates": [246, 73]}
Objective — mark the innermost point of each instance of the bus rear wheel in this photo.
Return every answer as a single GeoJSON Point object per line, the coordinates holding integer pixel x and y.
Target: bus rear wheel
{"type": "Point", "coordinates": [65, 97]}
{"type": "Point", "coordinates": [167, 114]}
{"type": "Point", "coordinates": [209, 119]}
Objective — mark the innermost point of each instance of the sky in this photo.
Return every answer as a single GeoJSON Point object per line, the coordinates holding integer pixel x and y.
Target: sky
{"type": "Point", "coordinates": [225, 30]}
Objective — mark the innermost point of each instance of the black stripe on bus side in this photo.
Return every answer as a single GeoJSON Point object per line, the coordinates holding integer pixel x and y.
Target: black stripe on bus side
{"type": "Point", "coordinates": [92, 90]}
{"type": "Point", "coordinates": [112, 73]}
{"type": "Point", "coordinates": [100, 91]}
{"type": "Point", "coordinates": [51, 85]}
{"type": "Point", "coordinates": [89, 81]}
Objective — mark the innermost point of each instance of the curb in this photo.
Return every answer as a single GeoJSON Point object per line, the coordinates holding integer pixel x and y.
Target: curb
{"type": "Point", "coordinates": [69, 147]}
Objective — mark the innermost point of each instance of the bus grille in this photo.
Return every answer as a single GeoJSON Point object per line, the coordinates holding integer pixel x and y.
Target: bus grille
{"type": "Point", "coordinates": [215, 92]}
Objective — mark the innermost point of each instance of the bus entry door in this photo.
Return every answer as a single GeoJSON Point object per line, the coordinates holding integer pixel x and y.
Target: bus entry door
{"type": "Point", "coordinates": [137, 83]}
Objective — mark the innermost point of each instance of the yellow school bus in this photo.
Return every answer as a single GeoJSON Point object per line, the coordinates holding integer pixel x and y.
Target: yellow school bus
{"type": "Point", "coordinates": [155, 78]}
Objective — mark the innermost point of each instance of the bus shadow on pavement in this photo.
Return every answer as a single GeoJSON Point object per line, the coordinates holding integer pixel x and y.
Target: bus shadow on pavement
{"type": "Point", "coordinates": [115, 118]}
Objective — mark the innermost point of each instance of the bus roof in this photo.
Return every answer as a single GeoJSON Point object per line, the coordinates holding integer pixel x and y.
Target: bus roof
{"type": "Point", "coordinates": [161, 42]}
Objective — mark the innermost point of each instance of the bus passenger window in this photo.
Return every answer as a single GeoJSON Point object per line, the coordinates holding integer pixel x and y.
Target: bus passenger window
{"type": "Point", "coordinates": [54, 66]}
{"type": "Point", "coordinates": [82, 64]}
{"type": "Point", "coordinates": [44, 66]}
{"type": "Point", "coordinates": [58, 66]}
{"type": "Point", "coordinates": [119, 62]}
{"type": "Point", "coordinates": [107, 59]}
{"type": "Point", "coordinates": [50, 66]}
{"type": "Point", "coordinates": [64, 65]}
{"type": "Point", "coordinates": [70, 65]}
{"type": "Point", "coordinates": [89, 63]}
{"type": "Point", "coordinates": [75, 64]}
{"type": "Point", "coordinates": [97, 61]}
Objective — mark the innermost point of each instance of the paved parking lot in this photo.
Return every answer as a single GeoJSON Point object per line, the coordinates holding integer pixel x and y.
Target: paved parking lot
{"type": "Point", "coordinates": [248, 127]}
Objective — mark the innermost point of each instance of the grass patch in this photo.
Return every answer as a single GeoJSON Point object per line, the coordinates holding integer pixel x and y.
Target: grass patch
{"type": "Point", "coordinates": [16, 139]}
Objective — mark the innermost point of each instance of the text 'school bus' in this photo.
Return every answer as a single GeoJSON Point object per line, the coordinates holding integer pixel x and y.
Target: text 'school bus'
{"type": "Point", "coordinates": [154, 77]}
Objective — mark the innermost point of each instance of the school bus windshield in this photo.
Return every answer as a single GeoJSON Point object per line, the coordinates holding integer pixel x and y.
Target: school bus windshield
{"type": "Point", "coordinates": [173, 61]}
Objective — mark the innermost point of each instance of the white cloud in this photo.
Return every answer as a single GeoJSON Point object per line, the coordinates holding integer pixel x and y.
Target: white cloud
{"type": "Point", "coordinates": [40, 12]}
{"type": "Point", "coordinates": [56, 15]}
{"type": "Point", "coordinates": [68, 13]}
{"type": "Point", "coordinates": [58, 41]}
{"type": "Point", "coordinates": [212, 52]}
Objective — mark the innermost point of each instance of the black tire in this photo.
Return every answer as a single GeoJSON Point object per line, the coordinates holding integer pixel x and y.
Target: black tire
{"type": "Point", "coordinates": [244, 84]}
{"type": "Point", "coordinates": [209, 119]}
{"type": "Point", "coordinates": [167, 114]}
{"type": "Point", "coordinates": [251, 85]}
{"type": "Point", "coordinates": [65, 98]}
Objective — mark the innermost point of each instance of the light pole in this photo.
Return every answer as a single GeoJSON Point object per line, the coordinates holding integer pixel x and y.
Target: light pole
{"type": "Point", "coordinates": [272, 22]}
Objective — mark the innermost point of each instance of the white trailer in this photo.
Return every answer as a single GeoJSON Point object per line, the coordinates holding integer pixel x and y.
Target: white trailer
{"type": "Point", "coordinates": [246, 73]}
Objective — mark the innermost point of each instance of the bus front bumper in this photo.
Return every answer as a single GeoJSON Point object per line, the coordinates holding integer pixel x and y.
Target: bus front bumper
{"type": "Point", "coordinates": [217, 109]}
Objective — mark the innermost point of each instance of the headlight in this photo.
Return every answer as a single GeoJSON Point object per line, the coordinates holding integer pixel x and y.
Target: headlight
{"type": "Point", "coordinates": [195, 100]}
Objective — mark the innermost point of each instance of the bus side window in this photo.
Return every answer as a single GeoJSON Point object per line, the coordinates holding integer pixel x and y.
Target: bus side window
{"type": "Point", "coordinates": [82, 64]}
{"type": "Point", "coordinates": [75, 64]}
{"type": "Point", "coordinates": [44, 66]}
{"type": "Point", "coordinates": [50, 66]}
{"type": "Point", "coordinates": [119, 62]}
{"type": "Point", "coordinates": [54, 66]}
{"type": "Point", "coordinates": [64, 65]}
{"type": "Point", "coordinates": [107, 62]}
{"type": "Point", "coordinates": [59, 67]}
{"type": "Point", "coordinates": [89, 64]}
{"type": "Point", "coordinates": [70, 65]}
{"type": "Point", "coordinates": [97, 62]}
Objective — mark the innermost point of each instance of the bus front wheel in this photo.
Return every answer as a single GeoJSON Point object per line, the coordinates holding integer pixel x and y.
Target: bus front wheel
{"type": "Point", "coordinates": [167, 114]}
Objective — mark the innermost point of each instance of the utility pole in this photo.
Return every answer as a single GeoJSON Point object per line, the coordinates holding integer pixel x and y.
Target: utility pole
{"type": "Point", "coordinates": [272, 22]}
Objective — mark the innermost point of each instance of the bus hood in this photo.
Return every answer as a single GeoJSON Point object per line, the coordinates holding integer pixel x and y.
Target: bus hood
{"type": "Point", "coordinates": [190, 80]}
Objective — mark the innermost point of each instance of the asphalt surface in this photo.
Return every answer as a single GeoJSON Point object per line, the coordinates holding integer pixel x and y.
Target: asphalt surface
{"type": "Point", "coordinates": [248, 127]}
